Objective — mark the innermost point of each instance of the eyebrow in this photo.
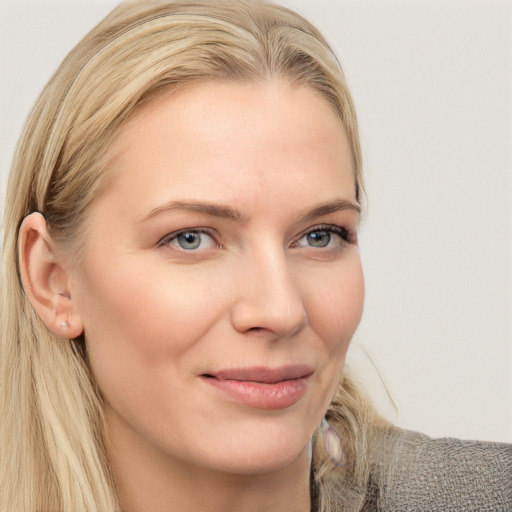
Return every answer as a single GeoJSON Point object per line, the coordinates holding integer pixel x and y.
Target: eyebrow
{"type": "Point", "coordinates": [227, 212]}
{"type": "Point", "coordinates": [330, 207]}
{"type": "Point", "coordinates": [212, 209]}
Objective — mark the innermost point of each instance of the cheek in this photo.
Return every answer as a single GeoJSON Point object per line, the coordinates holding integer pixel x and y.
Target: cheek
{"type": "Point", "coordinates": [145, 307]}
{"type": "Point", "coordinates": [143, 333]}
{"type": "Point", "coordinates": [336, 308]}
{"type": "Point", "coordinates": [334, 317]}
{"type": "Point", "coordinates": [138, 323]}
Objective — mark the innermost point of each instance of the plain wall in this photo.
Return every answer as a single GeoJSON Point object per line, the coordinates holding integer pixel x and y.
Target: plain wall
{"type": "Point", "coordinates": [432, 83]}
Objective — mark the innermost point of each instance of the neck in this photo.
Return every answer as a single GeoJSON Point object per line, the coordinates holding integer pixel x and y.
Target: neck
{"type": "Point", "coordinates": [157, 482]}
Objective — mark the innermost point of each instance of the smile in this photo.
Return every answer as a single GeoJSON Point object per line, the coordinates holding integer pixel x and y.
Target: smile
{"type": "Point", "coordinates": [262, 388]}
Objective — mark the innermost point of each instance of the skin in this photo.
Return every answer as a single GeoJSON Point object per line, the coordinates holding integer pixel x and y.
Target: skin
{"type": "Point", "coordinates": [255, 291]}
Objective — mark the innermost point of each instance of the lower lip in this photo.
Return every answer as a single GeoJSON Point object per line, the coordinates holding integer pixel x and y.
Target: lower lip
{"type": "Point", "coordinates": [277, 395]}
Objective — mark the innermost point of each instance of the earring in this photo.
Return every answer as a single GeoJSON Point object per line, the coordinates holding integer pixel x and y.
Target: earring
{"type": "Point", "coordinates": [64, 324]}
{"type": "Point", "coordinates": [332, 444]}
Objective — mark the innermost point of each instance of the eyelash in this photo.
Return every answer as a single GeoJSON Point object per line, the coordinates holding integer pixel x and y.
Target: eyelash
{"type": "Point", "coordinates": [167, 239]}
{"type": "Point", "coordinates": [340, 231]}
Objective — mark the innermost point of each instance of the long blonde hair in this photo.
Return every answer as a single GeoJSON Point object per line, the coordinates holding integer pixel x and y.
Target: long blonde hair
{"type": "Point", "coordinates": [51, 429]}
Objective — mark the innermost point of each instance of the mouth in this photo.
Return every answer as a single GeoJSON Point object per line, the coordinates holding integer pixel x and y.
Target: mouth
{"type": "Point", "coordinates": [260, 387]}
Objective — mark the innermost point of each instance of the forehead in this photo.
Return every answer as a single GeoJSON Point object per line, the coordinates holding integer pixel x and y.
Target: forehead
{"type": "Point", "coordinates": [230, 139]}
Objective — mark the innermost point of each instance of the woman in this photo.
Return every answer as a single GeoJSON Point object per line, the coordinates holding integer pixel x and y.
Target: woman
{"type": "Point", "coordinates": [182, 279]}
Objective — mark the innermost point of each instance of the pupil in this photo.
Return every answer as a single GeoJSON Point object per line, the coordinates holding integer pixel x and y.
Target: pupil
{"type": "Point", "coordinates": [319, 238]}
{"type": "Point", "coordinates": [189, 240]}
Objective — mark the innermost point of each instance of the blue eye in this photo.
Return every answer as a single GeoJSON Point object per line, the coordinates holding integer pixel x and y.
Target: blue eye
{"type": "Point", "coordinates": [189, 240]}
{"type": "Point", "coordinates": [323, 237]}
{"type": "Point", "coordinates": [318, 238]}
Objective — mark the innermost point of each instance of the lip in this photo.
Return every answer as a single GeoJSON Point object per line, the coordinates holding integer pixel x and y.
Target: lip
{"type": "Point", "coordinates": [261, 387]}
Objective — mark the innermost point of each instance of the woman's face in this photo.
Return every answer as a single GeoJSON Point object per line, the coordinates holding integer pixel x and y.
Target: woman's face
{"type": "Point", "coordinates": [221, 281]}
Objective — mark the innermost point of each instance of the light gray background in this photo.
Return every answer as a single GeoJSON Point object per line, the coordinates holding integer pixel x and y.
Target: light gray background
{"type": "Point", "coordinates": [432, 82]}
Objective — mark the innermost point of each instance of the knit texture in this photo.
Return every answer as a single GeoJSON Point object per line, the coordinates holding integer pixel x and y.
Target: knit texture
{"type": "Point", "coordinates": [445, 475]}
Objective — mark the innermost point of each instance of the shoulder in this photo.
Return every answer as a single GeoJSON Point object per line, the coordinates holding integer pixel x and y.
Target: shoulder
{"type": "Point", "coordinates": [446, 474]}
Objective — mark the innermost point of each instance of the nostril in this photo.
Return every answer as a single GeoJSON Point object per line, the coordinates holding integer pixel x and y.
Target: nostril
{"type": "Point", "coordinates": [269, 306]}
{"type": "Point", "coordinates": [256, 329]}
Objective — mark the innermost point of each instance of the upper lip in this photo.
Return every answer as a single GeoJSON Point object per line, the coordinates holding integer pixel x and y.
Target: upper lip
{"type": "Point", "coordinates": [262, 374]}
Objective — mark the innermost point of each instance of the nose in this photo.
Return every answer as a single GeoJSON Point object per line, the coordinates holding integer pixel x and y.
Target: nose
{"type": "Point", "coordinates": [268, 298]}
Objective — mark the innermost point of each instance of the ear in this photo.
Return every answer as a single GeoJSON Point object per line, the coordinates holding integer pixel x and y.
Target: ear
{"type": "Point", "coordinates": [45, 279]}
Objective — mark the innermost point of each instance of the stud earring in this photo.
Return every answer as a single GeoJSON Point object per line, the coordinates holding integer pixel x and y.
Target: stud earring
{"type": "Point", "coordinates": [332, 444]}
{"type": "Point", "coordinates": [64, 324]}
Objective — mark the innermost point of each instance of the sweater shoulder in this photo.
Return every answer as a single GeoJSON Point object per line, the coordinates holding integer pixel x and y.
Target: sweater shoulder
{"type": "Point", "coordinates": [446, 474]}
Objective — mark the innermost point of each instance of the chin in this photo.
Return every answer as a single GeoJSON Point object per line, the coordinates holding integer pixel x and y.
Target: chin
{"type": "Point", "coordinates": [261, 463]}
{"type": "Point", "coordinates": [259, 454]}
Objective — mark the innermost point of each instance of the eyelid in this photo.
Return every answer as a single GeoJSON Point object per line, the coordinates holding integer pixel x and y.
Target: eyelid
{"type": "Point", "coordinates": [166, 240]}
{"type": "Point", "coordinates": [347, 235]}
{"type": "Point", "coordinates": [344, 233]}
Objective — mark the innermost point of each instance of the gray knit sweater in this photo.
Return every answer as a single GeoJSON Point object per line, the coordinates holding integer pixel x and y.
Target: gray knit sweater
{"type": "Point", "coordinates": [412, 472]}
{"type": "Point", "coordinates": [446, 475]}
